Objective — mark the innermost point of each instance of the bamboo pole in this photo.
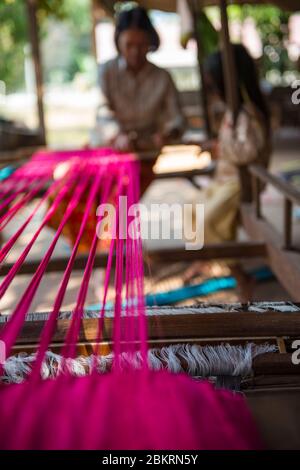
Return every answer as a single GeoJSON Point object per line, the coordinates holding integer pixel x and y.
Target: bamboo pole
{"type": "Point", "coordinates": [195, 10]}
{"type": "Point", "coordinates": [229, 68]}
{"type": "Point", "coordinates": [34, 39]}
{"type": "Point", "coordinates": [94, 25]}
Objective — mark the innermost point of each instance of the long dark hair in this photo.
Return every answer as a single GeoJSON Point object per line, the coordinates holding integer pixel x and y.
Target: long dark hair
{"type": "Point", "coordinates": [136, 18]}
{"type": "Point", "coordinates": [247, 78]}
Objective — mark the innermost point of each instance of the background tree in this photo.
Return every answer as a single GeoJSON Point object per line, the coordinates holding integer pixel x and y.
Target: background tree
{"type": "Point", "coordinates": [14, 36]}
{"type": "Point", "coordinates": [272, 26]}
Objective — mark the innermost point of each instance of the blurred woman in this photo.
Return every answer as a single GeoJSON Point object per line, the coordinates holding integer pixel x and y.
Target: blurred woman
{"type": "Point", "coordinates": [240, 142]}
{"type": "Point", "coordinates": [141, 109]}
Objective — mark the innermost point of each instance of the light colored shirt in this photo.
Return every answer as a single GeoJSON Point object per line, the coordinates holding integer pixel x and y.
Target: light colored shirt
{"type": "Point", "coordinates": [240, 145]}
{"type": "Point", "coordinates": [143, 103]}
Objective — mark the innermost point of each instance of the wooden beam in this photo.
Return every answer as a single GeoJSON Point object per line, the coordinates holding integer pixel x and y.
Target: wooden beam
{"type": "Point", "coordinates": [18, 156]}
{"type": "Point", "coordinates": [189, 174]}
{"type": "Point", "coordinates": [195, 10]}
{"type": "Point", "coordinates": [256, 184]}
{"type": "Point", "coordinates": [284, 263]}
{"type": "Point", "coordinates": [288, 220]}
{"type": "Point", "coordinates": [287, 190]}
{"type": "Point", "coordinates": [208, 324]}
{"type": "Point", "coordinates": [229, 67]}
{"type": "Point", "coordinates": [187, 327]}
{"type": "Point", "coordinates": [94, 26]}
{"type": "Point", "coordinates": [165, 255]}
{"type": "Point", "coordinates": [275, 364]}
{"type": "Point", "coordinates": [97, 14]}
{"type": "Point", "coordinates": [208, 252]}
{"type": "Point", "coordinates": [290, 194]}
{"type": "Point", "coordinates": [34, 39]}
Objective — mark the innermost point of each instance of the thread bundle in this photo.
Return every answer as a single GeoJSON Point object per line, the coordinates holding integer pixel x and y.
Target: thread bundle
{"type": "Point", "coordinates": [124, 408]}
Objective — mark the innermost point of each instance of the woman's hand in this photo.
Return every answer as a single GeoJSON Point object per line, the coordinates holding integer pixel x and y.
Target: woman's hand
{"type": "Point", "coordinates": [210, 146]}
{"type": "Point", "coordinates": [158, 140]}
{"type": "Point", "coordinates": [122, 143]}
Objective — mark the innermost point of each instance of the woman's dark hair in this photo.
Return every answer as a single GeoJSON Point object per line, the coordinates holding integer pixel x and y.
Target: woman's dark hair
{"type": "Point", "coordinates": [247, 78]}
{"type": "Point", "coordinates": [136, 18]}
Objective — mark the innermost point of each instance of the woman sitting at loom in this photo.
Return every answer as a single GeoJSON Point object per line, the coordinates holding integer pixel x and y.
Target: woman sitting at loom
{"type": "Point", "coordinates": [141, 109]}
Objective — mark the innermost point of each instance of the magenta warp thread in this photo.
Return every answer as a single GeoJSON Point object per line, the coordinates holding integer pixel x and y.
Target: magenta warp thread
{"type": "Point", "coordinates": [126, 408]}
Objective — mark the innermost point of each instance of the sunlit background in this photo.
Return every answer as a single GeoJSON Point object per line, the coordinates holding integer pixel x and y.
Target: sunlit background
{"type": "Point", "coordinates": [70, 53]}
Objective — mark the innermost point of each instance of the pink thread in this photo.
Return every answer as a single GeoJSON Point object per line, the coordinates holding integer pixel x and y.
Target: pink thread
{"type": "Point", "coordinates": [123, 409]}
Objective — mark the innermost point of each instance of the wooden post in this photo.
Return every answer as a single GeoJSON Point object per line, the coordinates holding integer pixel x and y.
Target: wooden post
{"type": "Point", "coordinates": [98, 13]}
{"type": "Point", "coordinates": [288, 212]}
{"type": "Point", "coordinates": [256, 195]}
{"type": "Point", "coordinates": [195, 9]}
{"type": "Point", "coordinates": [229, 68]}
{"type": "Point", "coordinates": [34, 39]}
{"type": "Point", "coordinates": [94, 25]}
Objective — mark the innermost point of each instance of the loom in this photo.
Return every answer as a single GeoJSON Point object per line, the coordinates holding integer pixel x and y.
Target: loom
{"type": "Point", "coordinates": [238, 347]}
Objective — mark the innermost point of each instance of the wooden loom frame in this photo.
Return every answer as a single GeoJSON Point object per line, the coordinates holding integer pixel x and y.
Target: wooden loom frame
{"type": "Point", "coordinates": [273, 389]}
{"type": "Point", "coordinates": [274, 385]}
{"type": "Point", "coordinates": [272, 372]}
{"type": "Point", "coordinates": [207, 328]}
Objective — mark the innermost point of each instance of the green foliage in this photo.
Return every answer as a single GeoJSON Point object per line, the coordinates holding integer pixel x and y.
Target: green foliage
{"type": "Point", "coordinates": [73, 51]}
{"type": "Point", "coordinates": [272, 26]}
{"type": "Point", "coordinates": [208, 35]}
{"type": "Point", "coordinates": [73, 43]}
{"type": "Point", "coordinates": [14, 37]}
